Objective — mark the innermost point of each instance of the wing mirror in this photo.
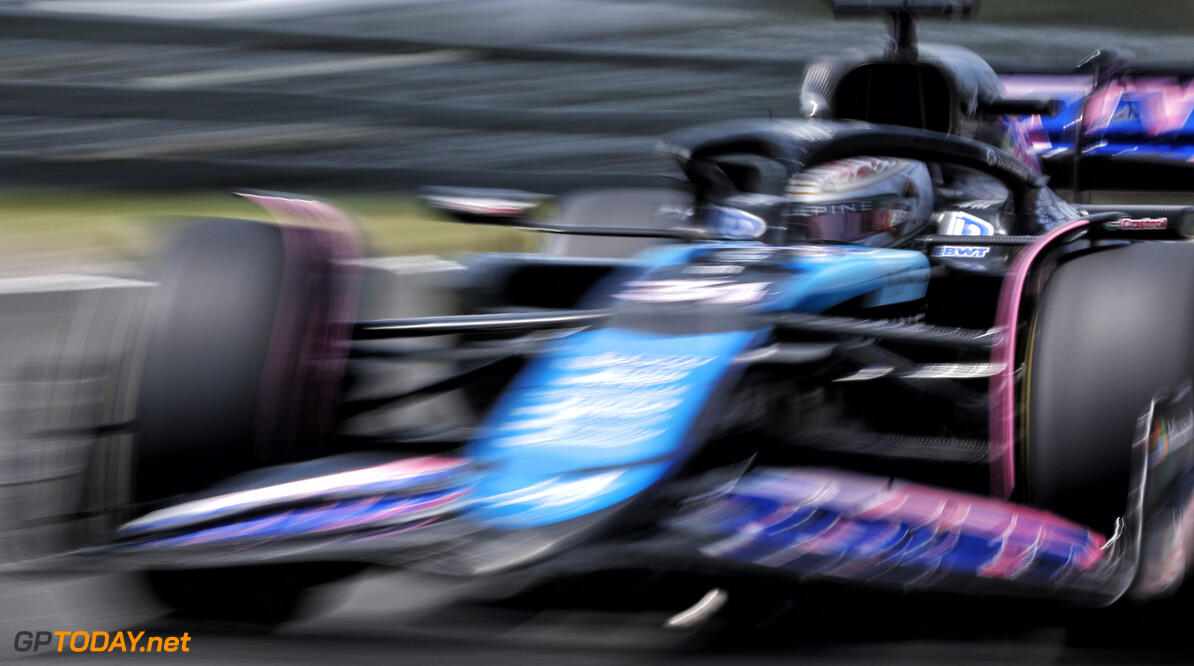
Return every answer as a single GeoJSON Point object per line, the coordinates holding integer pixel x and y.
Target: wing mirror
{"type": "Point", "coordinates": [477, 205]}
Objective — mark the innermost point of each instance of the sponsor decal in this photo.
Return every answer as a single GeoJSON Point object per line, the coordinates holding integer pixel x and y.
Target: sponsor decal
{"type": "Point", "coordinates": [1133, 224]}
{"type": "Point", "coordinates": [587, 435]}
{"type": "Point", "coordinates": [558, 491]}
{"type": "Point", "coordinates": [716, 269]}
{"type": "Point", "coordinates": [98, 641]}
{"type": "Point", "coordinates": [612, 359]}
{"type": "Point", "coordinates": [963, 251]}
{"type": "Point", "coordinates": [979, 204]}
{"type": "Point", "coordinates": [596, 420]}
{"type": "Point", "coordinates": [666, 370]}
{"type": "Point", "coordinates": [956, 223]}
{"type": "Point", "coordinates": [1168, 435]}
{"type": "Point", "coordinates": [883, 213]}
{"type": "Point", "coordinates": [611, 405]}
{"type": "Point", "coordinates": [711, 291]}
{"type": "Point", "coordinates": [741, 255]}
{"type": "Point", "coordinates": [809, 210]}
{"type": "Point", "coordinates": [603, 400]}
{"type": "Point", "coordinates": [735, 224]}
{"type": "Point", "coordinates": [1001, 160]}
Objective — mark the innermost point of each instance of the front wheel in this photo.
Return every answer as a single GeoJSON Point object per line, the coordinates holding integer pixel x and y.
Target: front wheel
{"type": "Point", "coordinates": [1113, 330]}
{"type": "Point", "coordinates": [241, 369]}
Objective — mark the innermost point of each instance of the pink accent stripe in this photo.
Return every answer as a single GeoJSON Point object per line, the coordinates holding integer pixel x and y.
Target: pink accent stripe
{"type": "Point", "coordinates": [402, 510]}
{"type": "Point", "coordinates": [316, 234]}
{"type": "Point", "coordinates": [1003, 386]}
{"type": "Point", "coordinates": [871, 527]}
{"type": "Point", "coordinates": [410, 469]}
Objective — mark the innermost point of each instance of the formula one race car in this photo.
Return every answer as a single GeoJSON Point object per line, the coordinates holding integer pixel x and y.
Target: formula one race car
{"type": "Point", "coordinates": [880, 351]}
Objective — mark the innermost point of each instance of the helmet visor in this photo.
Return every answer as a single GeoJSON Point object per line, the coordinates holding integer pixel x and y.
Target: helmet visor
{"type": "Point", "coordinates": [853, 220]}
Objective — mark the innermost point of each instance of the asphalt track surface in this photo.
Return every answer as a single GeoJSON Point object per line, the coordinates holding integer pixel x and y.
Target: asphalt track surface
{"type": "Point", "coordinates": [541, 94]}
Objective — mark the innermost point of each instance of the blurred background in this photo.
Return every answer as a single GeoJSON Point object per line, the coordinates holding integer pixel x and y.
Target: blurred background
{"type": "Point", "coordinates": [137, 102]}
{"type": "Point", "coordinates": [116, 115]}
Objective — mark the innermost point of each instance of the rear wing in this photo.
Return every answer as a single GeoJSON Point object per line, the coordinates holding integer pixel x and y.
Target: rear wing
{"type": "Point", "coordinates": [916, 7]}
{"type": "Point", "coordinates": [1116, 127]}
{"type": "Point", "coordinates": [1106, 124]}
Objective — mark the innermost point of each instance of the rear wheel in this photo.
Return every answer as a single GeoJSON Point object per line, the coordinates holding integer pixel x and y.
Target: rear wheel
{"type": "Point", "coordinates": [1112, 330]}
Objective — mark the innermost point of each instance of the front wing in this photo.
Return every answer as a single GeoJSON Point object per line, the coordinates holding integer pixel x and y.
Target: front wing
{"type": "Point", "coordinates": [793, 523]}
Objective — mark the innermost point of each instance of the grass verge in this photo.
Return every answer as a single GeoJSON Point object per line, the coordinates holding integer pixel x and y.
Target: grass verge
{"type": "Point", "coordinates": [44, 231]}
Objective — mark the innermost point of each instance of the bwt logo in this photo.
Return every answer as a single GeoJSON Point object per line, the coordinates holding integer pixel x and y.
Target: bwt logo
{"type": "Point", "coordinates": [98, 641]}
{"type": "Point", "coordinates": [960, 251]}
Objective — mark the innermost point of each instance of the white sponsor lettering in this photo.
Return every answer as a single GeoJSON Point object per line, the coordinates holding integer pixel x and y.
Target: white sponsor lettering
{"type": "Point", "coordinates": [714, 270]}
{"type": "Point", "coordinates": [743, 255]}
{"type": "Point", "coordinates": [809, 210]}
{"type": "Point", "coordinates": [1130, 224]}
{"type": "Point", "coordinates": [558, 492]}
{"type": "Point", "coordinates": [623, 377]}
{"type": "Point", "coordinates": [979, 204]}
{"type": "Point", "coordinates": [615, 359]}
{"type": "Point", "coordinates": [1181, 431]}
{"type": "Point", "coordinates": [615, 405]}
{"type": "Point", "coordinates": [559, 394]}
{"type": "Point", "coordinates": [716, 292]}
{"type": "Point", "coordinates": [573, 435]}
{"type": "Point", "coordinates": [960, 251]}
{"type": "Point", "coordinates": [605, 400]}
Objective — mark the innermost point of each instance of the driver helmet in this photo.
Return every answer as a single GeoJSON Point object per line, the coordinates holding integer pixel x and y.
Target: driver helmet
{"type": "Point", "coordinates": [875, 201]}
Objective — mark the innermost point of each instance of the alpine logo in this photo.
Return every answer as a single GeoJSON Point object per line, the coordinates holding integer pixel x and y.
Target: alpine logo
{"type": "Point", "coordinates": [1131, 224]}
{"type": "Point", "coordinates": [964, 224]}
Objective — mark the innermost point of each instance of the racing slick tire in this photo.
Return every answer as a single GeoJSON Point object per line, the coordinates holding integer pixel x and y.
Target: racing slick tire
{"type": "Point", "coordinates": [1112, 330]}
{"type": "Point", "coordinates": [239, 333]}
{"type": "Point", "coordinates": [241, 368]}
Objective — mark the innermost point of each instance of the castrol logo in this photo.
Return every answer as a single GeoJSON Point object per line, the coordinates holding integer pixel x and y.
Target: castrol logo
{"type": "Point", "coordinates": [1132, 224]}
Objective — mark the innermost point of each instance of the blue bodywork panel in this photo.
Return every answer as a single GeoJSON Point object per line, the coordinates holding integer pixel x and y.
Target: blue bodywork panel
{"type": "Point", "coordinates": [595, 421]}
{"type": "Point", "coordinates": [604, 414]}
